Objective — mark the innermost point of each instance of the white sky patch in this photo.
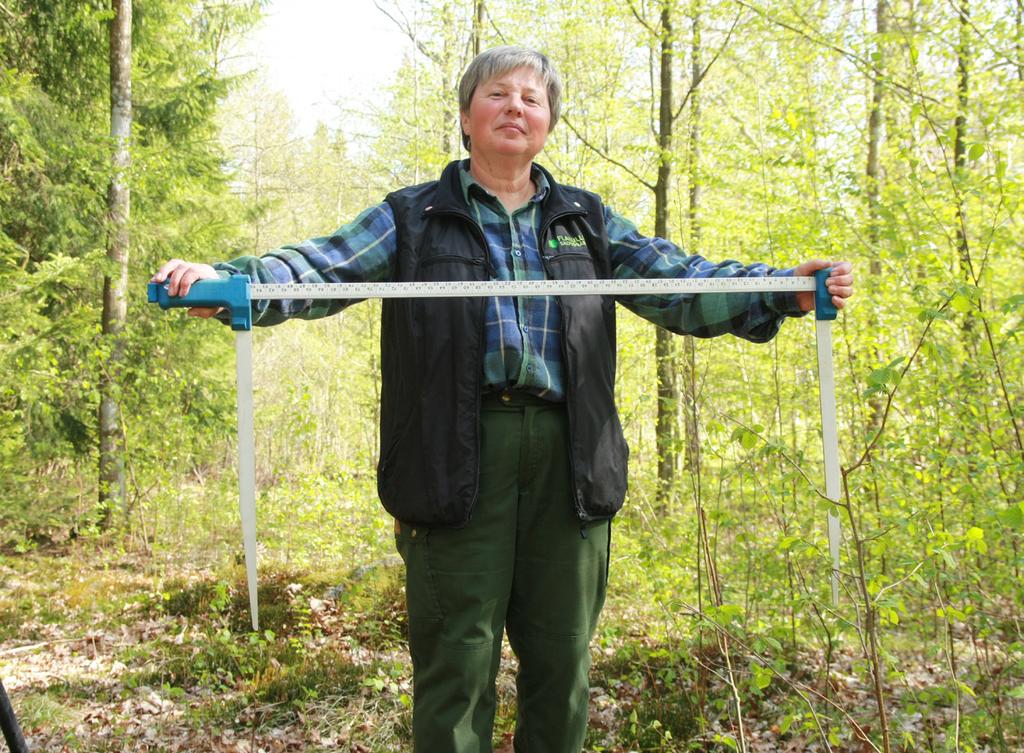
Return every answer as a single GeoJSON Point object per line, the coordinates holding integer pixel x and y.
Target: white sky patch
{"type": "Point", "coordinates": [323, 52]}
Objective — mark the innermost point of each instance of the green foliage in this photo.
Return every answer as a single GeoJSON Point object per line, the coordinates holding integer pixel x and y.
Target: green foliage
{"type": "Point", "coordinates": [658, 687]}
{"type": "Point", "coordinates": [929, 356]}
{"type": "Point", "coordinates": [54, 104]}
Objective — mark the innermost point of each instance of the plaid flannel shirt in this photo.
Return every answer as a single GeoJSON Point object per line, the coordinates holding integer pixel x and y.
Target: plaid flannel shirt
{"type": "Point", "coordinates": [523, 347]}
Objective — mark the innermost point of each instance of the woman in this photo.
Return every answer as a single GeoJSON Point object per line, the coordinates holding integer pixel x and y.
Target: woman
{"type": "Point", "coordinates": [502, 458]}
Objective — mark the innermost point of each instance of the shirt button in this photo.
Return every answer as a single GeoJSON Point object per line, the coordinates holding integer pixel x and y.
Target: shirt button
{"type": "Point", "coordinates": [525, 328]}
{"type": "Point", "coordinates": [517, 252]}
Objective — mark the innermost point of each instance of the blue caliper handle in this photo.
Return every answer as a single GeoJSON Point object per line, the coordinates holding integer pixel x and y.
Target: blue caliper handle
{"type": "Point", "coordinates": [823, 307]}
{"type": "Point", "coordinates": [231, 293]}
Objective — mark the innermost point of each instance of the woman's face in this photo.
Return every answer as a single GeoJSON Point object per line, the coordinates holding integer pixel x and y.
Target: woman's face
{"type": "Point", "coordinates": [508, 116]}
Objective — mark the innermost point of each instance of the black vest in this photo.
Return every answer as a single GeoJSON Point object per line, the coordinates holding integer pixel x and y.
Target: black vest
{"type": "Point", "coordinates": [432, 357]}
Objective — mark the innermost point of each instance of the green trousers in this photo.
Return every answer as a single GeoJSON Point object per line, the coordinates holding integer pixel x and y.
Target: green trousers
{"type": "Point", "coordinates": [523, 564]}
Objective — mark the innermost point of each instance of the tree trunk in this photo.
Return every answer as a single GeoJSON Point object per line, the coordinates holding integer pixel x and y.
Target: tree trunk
{"type": "Point", "coordinates": [690, 424]}
{"type": "Point", "coordinates": [1019, 39]}
{"type": "Point", "coordinates": [115, 285]}
{"type": "Point", "coordinates": [960, 147]}
{"type": "Point", "coordinates": [257, 179]}
{"type": "Point", "coordinates": [449, 119]}
{"type": "Point", "coordinates": [668, 389]}
{"type": "Point", "coordinates": [873, 179]}
{"type": "Point", "coordinates": [690, 353]}
{"type": "Point", "coordinates": [478, 26]}
{"type": "Point", "coordinates": [875, 134]}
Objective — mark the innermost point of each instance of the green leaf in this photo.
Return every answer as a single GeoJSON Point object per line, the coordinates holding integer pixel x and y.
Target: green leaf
{"type": "Point", "coordinates": [967, 689]}
{"type": "Point", "coordinates": [975, 539]}
{"type": "Point", "coordinates": [728, 612]}
{"type": "Point", "coordinates": [975, 151]}
{"type": "Point", "coordinates": [762, 676]}
{"type": "Point", "coordinates": [1013, 516]}
{"type": "Point", "coordinates": [788, 542]}
{"type": "Point", "coordinates": [880, 377]}
{"type": "Point", "coordinates": [745, 437]}
{"type": "Point", "coordinates": [727, 740]}
{"type": "Point", "coordinates": [787, 722]}
{"type": "Point", "coordinates": [961, 303]}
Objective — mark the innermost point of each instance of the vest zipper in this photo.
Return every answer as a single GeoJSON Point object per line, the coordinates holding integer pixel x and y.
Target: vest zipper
{"type": "Point", "coordinates": [577, 502]}
{"type": "Point", "coordinates": [479, 234]}
{"type": "Point", "coordinates": [564, 256]}
{"type": "Point", "coordinates": [451, 257]}
{"type": "Point", "coordinates": [569, 396]}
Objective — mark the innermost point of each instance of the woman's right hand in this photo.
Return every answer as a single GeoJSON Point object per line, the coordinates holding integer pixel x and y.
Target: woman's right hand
{"type": "Point", "coordinates": [180, 275]}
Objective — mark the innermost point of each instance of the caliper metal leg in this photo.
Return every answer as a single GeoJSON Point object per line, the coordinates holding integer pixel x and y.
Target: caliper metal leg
{"type": "Point", "coordinates": [830, 442]}
{"type": "Point", "coordinates": [247, 464]}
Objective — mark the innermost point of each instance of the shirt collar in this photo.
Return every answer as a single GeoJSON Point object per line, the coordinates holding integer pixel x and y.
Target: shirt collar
{"type": "Point", "coordinates": [471, 185]}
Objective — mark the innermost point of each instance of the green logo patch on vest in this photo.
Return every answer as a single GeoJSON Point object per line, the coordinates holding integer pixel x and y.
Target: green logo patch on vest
{"type": "Point", "coordinates": [574, 241]}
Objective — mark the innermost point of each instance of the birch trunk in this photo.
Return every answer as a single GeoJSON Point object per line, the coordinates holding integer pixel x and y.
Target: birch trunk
{"type": "Point", "coordinates": [667, 429]}
{"type": "Point", "coordinates": [115, 283]}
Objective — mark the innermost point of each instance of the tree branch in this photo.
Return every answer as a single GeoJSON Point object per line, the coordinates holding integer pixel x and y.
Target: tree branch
{"type": "Point", "coordinates": [704, 72]}
{"type": "Point", "coordinates": [863, 65]}
{"type": "Point", "coordinates": [888, 403]}
{"type": "Point", "coordinates": [604, 156]}
{"type": "Point", "coordinates": [406, 29]}
{"type": "Point", "coordinates": [641, 20]}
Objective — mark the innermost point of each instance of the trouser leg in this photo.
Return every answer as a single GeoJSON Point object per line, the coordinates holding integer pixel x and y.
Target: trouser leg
{"type": "Point", "coordinates": [557, 593]}
{"type": "Point", "coordinates": [457, 588]}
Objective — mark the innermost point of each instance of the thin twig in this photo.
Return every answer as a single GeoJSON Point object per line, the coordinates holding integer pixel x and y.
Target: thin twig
{"type": "Point", "coordinates": [865, 66]}
{"type": "Point", "coordinates": [602, 155]}
{"type": "Point", "coordinates": [30, 647]}
{"type": "Point", "coordinates": [892, 394]}
{"type": "Point", "coordinates": [704, 72]}
{"type": "Point", "coordinates": [407, 29]}
{"type": "Point", "coordinates": [796, 685]}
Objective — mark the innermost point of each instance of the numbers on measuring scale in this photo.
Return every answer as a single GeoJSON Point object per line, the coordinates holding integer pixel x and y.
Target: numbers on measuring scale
{"type": "Point", "coordinates": [458, 288]}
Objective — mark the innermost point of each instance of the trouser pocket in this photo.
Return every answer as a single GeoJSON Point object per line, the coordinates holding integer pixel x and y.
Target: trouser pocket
{"type": "Point", "coordinates": [421, 594]}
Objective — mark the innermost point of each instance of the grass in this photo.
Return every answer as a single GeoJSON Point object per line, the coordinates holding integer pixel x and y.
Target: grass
{"type": "Point", "coordinates": [46, 710]}
{"type": "Point", "coordinates": [331, 666]}
{"type": "Point", "coordinates": [655, 686]}
{"type": "Point", "coordinates": [188, 639]}
{"type": "Point", "coordinates": [374, 606]}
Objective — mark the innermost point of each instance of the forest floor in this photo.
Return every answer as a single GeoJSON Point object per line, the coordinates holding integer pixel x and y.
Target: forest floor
{"type": "Point", "coordinates": [105, 651]}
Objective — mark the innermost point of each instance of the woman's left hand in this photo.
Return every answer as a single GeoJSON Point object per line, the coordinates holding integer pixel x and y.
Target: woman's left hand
{"type": "Point", "coordinates": [839, 283]}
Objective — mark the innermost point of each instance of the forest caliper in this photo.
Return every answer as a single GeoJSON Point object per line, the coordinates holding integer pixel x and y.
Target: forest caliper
{"type": "Point", "coordinates": [236, 294]}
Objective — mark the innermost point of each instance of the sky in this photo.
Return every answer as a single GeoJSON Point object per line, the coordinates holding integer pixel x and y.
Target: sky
{"type": "Point", "coordinates": [322, 51]}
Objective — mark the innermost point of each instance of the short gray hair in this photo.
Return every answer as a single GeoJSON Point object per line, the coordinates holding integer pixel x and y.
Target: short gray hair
{"type": "Point", "coordinates": [500, 60]}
